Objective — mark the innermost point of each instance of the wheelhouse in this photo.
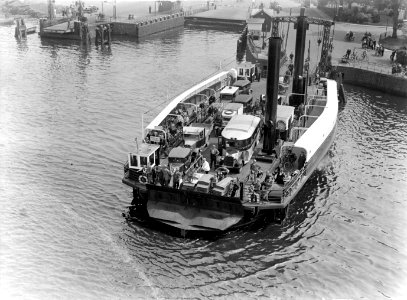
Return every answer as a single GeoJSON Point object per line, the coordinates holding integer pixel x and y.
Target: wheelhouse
{"type": "Point", "coordinates": [247, 71]}
{"type": "Point", "coordinates": [146, 155]}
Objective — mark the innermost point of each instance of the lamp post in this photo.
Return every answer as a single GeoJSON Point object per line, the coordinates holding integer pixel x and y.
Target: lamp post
{"type": "Point", "coordinates": [114, 10]}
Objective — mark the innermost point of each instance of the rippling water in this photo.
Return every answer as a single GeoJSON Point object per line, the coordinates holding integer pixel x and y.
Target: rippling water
{"type": "Point", "coordinates": [68, 118]}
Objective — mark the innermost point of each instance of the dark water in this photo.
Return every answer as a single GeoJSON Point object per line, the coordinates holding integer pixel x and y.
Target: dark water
{"type": "Point", "coordinates": [68, 118]}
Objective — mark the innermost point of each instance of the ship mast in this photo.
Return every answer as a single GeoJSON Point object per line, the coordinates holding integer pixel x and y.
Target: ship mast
{"type": "Point", "coordinates": [51, 9]}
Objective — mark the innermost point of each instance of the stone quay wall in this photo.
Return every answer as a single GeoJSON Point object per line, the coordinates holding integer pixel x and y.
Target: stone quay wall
{"type": "Point", "coordinates": [148, 27]}
{"type": "Point", "coordinates": [387, 83]}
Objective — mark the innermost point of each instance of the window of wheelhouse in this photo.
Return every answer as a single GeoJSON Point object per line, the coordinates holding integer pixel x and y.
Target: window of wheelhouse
{"type": "Point", "coordinates": [241, 72]}
{"type": "Point", "coordinates": [143, 161]}
{"type": "Point", "coordinates": [133, 162]}
{"type": "Point", "coordinates": [151, 158]}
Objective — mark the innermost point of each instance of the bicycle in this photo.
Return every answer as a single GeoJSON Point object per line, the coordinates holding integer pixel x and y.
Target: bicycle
{"type": "Point", "coordinates": [364, 56]}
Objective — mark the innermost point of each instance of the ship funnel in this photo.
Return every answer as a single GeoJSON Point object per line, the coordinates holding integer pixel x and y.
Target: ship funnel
{"type": "Point", "coordinates": [298, 83]}
{"type": "Point", "coordinates": [273, 74]}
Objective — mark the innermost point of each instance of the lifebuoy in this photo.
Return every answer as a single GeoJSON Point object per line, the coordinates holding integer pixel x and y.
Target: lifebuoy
{"type": "Point", "coordinates": [142, 179]}
{"type": "Point", "coordinates": [228, 112]}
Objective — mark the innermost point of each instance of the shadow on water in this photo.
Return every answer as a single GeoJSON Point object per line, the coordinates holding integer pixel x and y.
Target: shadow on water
{"type": "Point", "coordinates": [22, 45]}
{"type": "Point", "coordinates": [205, 28]}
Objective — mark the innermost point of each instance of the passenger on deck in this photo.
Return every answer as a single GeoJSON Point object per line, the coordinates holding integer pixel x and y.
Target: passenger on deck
{"type": "Point", "coordinates": [160, 176]}
{"type": "Point", "coordinates": [205, 166]}
{"type": "Point", "coordinates": [214, 155]}
{"type": "Point", "coordinates": [212, 99]}
{"type": "Point", "coordinates": [268, 176]}
{"type": "Point", "coordinates": [267, 183]}
{"type": "Point", "coordinates": [254, 170]}
{"type": "Point", "coordinates": [301, 160]}
{"type": "Point", "coordinates": [176, 179]}
{"type": "Point", "coordinates": [280, 177]}
{"type": "Point", "coordinates": [235, 187]}
{"type": "Point", "coordinates": [257, 185]}
{"type": "Point", "coordinates": [253, 195]}
{"type": "Point", "coordinates": [166, 176]}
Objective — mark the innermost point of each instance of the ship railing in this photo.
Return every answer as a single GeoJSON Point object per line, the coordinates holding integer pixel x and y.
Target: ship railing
{"type": "Point", "coordinates": [292, 185]}
{"type": "Point", "coordinates": [296, 133]}
{"type": "Point", "coordinates": [303, 120]}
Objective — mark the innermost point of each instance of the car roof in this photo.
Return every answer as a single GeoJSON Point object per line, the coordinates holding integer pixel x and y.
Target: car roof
{"type": "Point", "coordinates": [179, 152]}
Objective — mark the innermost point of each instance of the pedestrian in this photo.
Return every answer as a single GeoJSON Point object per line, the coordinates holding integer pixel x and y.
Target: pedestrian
{"type": "Point", "coordinates": [291, 56]}
{"type": "Point", "coordinates": [214, 155]}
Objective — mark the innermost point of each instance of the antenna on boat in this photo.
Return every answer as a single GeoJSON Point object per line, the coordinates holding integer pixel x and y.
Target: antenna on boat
{"type": "Point", "coordinates": [286, 38]}
{"type": "Point", "coordinates": [220, 65]}
{"type": "Point", "coordinates": [142, 126]}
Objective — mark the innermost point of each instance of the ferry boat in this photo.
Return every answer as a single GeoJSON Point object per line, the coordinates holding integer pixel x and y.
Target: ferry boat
{"type": "Point", "coordinates": [261, 161]}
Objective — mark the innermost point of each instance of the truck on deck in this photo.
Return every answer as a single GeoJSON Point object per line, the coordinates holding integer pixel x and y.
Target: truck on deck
{"type": "Point", "coordinates": [197, 135]}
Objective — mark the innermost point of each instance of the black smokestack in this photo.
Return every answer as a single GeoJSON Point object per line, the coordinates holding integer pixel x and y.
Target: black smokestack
{"type": "Point", "coordinates": [273, 74]}
{"type": "Point", "coordinates": [302, 26]}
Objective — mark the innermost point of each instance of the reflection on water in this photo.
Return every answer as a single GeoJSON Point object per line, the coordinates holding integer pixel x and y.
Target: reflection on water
{"type": "Point", "coordinates": [69, 116]}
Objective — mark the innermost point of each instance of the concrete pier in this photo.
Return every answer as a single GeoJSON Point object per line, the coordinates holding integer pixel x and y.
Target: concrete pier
{"type": "Point", "coordinates": [225, 16]}
{"type": "Point", "coordinates": [140, 29]}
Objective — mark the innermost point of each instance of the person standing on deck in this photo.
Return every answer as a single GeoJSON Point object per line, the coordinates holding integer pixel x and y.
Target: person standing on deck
{"type": "Point", "coordinates": [167, 176]}
{"type": "Point", "coordinates": [205, 166]}
{"type": "Point", "coordinates": [301, 160]}
{"type": "Point", "coordinates": [176, 179]}
{"type": "Point", "coordinates": [254, 169]}
{"type": "Point", "coordinates": [214, 155]}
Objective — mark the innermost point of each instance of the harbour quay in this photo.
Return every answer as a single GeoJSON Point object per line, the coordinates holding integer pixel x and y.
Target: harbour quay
{"type": "Point", "coordinates": [222, 17]}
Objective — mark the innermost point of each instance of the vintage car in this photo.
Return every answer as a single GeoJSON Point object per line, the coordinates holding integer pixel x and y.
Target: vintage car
{"type": "Point", "coordinates": [179, 158]}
